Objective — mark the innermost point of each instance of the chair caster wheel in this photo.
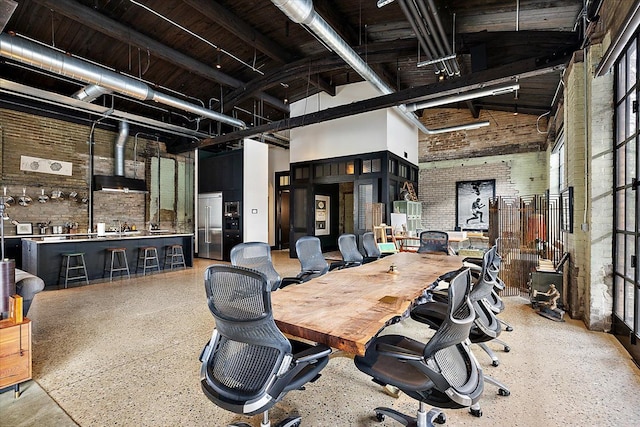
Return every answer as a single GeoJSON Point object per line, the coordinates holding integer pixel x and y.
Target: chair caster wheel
{"type": "Point", "coordinates": [476, 412]}
{"type": "Point", "coordinates": [507, 349]}
{"type": "Point", "coordinates": [509, 329]}
{"type": "Point", "coordinates": [503, 392]}
{"type": "Point", "coordinates": [495, 363]}
{"type": "Point", "coordinates": [380, 417]}
{"type": "Point", "coordinates": [441, 419]}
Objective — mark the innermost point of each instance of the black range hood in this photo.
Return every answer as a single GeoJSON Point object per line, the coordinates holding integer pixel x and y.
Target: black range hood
{"type": "Point", "coordinates": [119, 184]}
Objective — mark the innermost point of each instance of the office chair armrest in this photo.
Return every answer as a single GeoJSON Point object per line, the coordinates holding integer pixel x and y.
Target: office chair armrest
{"type": "Point", "coordinates": [397, 352]}
{"type": "Point", "coordinates": [337, 265]}
{"type": "Point", "coordinates": [302, 276]}
{"type": "Point", "coordinates": [286, 281]}
{"type": "Point", "coordinates": [312, 353]}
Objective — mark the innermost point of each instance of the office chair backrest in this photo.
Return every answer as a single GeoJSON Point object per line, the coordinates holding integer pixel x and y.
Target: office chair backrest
{"type": "Point", "coordinates": [370, 245]}
{"type": "Point", "coordinates": [434, 241]}
{"type": "Point", "coordinates": [257, 256]}
{"type": "Point", "coordinates": [485, 283]}
{"type": "Point", "coordinates": [249, 348]}
{"type": "Point", "coordinates": [312, 262]}
{"type": "Point", "coordinates": [460, 315]}
{"type": "Point", "coordinates": [349, 249]}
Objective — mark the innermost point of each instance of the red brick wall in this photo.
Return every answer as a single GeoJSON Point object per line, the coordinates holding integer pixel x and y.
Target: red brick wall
{"type": "Point", "coordinates": [36, 136]}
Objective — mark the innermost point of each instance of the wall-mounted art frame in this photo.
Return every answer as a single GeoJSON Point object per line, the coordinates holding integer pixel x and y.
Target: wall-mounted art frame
{"type": "Point", "coordinates": [472, 204]}
{"type": "Point", "coordinates": [322, 215]}
{"type": "Point", "coordinates": [24, 228]}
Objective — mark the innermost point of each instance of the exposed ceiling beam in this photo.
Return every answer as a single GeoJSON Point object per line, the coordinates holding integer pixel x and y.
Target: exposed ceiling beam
{"type": "Point", "coordinates": [327, 61]}
{"type": "Point", "coordinates": [522, 69]}
{"type": "Point", "coordinates": [245, 32]}
{"type": "Point", "coordinates": [125, 34]}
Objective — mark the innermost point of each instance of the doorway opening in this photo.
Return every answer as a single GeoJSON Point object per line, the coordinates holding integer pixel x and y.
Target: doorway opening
{"type": "Point", "coordinates": [283, 198]}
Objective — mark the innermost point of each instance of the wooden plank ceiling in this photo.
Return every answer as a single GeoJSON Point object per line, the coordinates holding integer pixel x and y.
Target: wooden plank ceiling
{"type": "Point", "coordinates": [246, 59]}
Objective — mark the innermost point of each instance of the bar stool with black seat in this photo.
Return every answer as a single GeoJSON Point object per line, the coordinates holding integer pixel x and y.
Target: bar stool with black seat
{"type": "Point", "coordinates": [117, 259]}
{"type": "Point", "coordinates": [149, 257]}
{"type": "Point", "coordinates": [174, 257]}
{"type": "Point", "coordinates": [73, 268]}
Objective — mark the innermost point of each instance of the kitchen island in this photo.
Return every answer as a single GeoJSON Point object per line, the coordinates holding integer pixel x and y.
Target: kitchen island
{"type": "Point", "coordinates": [41, 256]}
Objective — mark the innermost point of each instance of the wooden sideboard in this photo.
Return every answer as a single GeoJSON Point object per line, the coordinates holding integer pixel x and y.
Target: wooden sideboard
{"type": "Point", "coordinates": [15, 353]}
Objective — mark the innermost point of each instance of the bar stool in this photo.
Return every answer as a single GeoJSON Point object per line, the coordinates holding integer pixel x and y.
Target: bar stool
{"type": "Point", "coordinates": [73, 262]}
{"type": "Point", "coordinates": [174, 257]}
{"type": "Point", "coordinates": [118, 262]}
{"type": "Point", "coordinates": [149, 257]}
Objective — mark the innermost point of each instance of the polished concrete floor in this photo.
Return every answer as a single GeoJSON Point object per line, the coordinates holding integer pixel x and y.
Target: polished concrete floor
{"type": "Point", "coordinates": [126, 353]}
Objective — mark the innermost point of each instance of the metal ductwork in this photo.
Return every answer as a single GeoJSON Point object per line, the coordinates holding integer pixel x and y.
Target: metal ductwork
{"type": "Point", "coordinates": [41, 57]}
{"type": "Point", "coordinates": [90, 93]}
{"type": "Point", "coordinates": [118, 149]}
{"type": "Point", "coordinates": [427, 26]}
{"type": "Point", "coordinates": [118, 182]}
{"type": "Point", "coordinates": [302, 12]}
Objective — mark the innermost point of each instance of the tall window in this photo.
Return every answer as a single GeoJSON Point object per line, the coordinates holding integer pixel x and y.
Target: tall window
{"type": "Point", "coordinates": [627, 202]}
{"type": "Point", "coordinates": [558, 169]}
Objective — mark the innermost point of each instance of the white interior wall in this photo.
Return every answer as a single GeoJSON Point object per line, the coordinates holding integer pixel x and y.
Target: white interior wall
{"type": "Point", "coordinates": [379, 130]}
{"type": "Point", "coordinates": [278, 162]}
{"type": "Point", "coordinates": [255, 210]}
{"type": "Point", "coordinates": [402, 137]}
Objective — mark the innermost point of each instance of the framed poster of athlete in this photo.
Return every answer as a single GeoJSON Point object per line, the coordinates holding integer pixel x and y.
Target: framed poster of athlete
{"type": "Point", "coordinates": [472, 204]}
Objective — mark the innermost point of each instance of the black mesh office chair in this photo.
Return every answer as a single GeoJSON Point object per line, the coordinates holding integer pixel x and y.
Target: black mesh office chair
{"type": "Point", "coordinates": [351, 256]}
{"type": "Point", "coordinates": [434, 242]}
{"type": "Point", "coordinates": [442, 373]}
{"type": "Point", "coordinates": [312, 262]}
{"type": "Point", "coordinates": [495, 302]}
{"type": "Point", "coordinates": [486, 326]}
{"type": "Point", "coordinates": [257, 256]}
{"type": "Point", "coordinates": [371, 249]}
{"type": "Point", "coordinates": [249, 365]}
{"type": "Point", "coordinates": [370, 246]}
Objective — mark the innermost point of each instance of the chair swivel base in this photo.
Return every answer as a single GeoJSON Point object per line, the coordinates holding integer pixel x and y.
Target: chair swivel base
{"type": "Point", "coordinates": [287, 422]}
{"type": "Point", "coordinates": [494, 359]}
{"type": "Point", "coordinates": [424, 419]}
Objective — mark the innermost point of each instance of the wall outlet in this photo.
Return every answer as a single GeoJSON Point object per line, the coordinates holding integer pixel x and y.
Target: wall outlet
{"type": "Point", "coordinates": [584, 227]}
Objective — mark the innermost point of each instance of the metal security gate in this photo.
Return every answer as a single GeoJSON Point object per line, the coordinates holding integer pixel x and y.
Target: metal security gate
{"type": "Point", "coordinates": [525, 229]}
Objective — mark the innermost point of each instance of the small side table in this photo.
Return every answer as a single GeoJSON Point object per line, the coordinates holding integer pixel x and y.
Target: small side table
{"type": "Point", "coordinates": [15, 353]}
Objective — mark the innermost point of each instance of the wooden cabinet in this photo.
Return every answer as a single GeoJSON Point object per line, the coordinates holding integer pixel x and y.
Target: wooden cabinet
{"type": "Point", "coordinates": [414, 214]}
{"type": "Point", "coordinates": [15, 353]}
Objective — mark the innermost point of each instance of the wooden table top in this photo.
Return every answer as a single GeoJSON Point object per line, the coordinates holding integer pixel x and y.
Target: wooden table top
{"type": "Point", "coordinates": [345, 309]}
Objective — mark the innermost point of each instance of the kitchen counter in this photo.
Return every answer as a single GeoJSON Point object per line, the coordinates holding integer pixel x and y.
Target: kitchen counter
{"type": "Point", "coordinates": [92, 237]}
{"type": "Point", "coordinates": [41, 254]}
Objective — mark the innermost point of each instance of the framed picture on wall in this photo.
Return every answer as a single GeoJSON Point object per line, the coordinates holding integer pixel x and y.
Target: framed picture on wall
{"type": "Point", "coordinates": [24, 228]}
{"type": "Point", "coordinates": [322, 216]}
{"type": "Point", "coordinates": [472, 204]}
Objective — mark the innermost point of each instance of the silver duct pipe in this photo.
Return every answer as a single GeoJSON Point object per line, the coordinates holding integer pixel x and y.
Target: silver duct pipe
{"type": "Point", "coordinates": [44, 58]}
{"type": "Point", "coordinates": [302, 12]}
{"type": "Point", "coordinates": [118, 149]}
{"type": "Point", "coordinates": [435, 32]}
{"type": "Point", "coordinates": [440, 30]}
{"type": "Point", "coordinates": [90, 93]}
{"type": "Point", "coordinates": [421, 33]}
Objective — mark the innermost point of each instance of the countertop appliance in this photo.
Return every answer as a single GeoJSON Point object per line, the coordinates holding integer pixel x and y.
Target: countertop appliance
{"type": "Point", "coordinates": [210, 225]}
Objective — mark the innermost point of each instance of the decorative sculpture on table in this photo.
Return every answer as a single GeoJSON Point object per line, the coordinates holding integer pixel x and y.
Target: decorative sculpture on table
{"type": "Point", "coordinates": [549, 307]}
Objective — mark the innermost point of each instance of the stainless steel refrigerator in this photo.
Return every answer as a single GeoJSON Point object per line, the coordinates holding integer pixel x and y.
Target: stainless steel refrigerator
{"type": "Point", "coordinates": [210, 225]}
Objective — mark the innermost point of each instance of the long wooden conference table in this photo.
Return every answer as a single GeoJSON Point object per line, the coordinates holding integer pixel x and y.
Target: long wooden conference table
{"type": "Point", "coordinates": [345, 309]}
